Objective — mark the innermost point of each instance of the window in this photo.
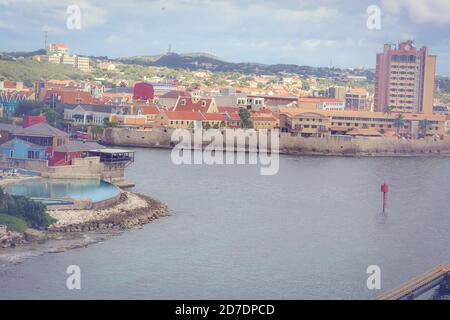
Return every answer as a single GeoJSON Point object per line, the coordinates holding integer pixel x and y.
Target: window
{"type": "Point", "coordinates": [33, 154]}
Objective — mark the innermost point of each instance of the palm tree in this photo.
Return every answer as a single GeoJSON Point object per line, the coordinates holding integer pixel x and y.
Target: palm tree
{"type": "Point", "coordinates": [424, 125]}
{"type": "Point", "coordinates": [399, 122]}
{"type": "Point", "coordinates": [388, 109]}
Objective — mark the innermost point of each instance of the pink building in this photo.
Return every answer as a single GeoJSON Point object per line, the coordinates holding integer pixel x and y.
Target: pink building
{"type": "Point", "coordinates": [404, 79]}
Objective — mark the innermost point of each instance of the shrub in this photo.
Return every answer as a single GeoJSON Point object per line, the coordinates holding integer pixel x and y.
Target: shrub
{"type": "Point", "coordinates": [34, 213]}
{"type": "Point", "coordinates": [13, 223]}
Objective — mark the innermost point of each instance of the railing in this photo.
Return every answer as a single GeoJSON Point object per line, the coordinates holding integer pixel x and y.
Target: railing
{"type": "Point", "coordinates": [419, 285]}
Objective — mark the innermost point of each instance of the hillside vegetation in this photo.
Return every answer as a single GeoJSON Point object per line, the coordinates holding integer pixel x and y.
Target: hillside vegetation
{"type": "Point", "coordinates": [29, 70]}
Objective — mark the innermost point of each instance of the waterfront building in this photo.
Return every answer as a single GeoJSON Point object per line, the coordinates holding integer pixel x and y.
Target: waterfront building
{"type": "Point", "coordinates": [42, 134]}
{"type": "Point", "coordinates": [20, 149]}
{"type": "Point", "coordinates": [320, 123]}
{"type": "Point", "coordinates": [64, 154]}
{"type": "Point", "coordinates": [405, 79]}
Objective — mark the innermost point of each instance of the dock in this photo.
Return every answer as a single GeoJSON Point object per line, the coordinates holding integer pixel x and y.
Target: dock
{"type": "Point", "coordinates": [123, 184]}
{"type": "Point", "coordinates": [412, 289]}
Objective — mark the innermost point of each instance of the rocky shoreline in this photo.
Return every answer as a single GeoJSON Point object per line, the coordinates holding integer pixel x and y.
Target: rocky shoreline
{"type": "Point", "coordinates": [130, 211]}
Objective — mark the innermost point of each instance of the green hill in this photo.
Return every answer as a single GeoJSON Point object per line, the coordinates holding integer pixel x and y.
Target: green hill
{"type": "Point", "coordinates": [29, 70]}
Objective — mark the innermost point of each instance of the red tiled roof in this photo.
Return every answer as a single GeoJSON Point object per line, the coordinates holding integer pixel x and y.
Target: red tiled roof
{"type": "Point", "coordinates": [71, 97]}
{"type": "Point", "coordinates": [191, 105]}
{"type": "Point", "coordinates": [184, 115]}
{"type": "Point", "coordinates": [228, 110]}
{"type": "Point", "coordinates": [147, 109]}
{"type": "Point", "coordinates": [214, 116]}
{"type": "Point", "coordinates": [59, 45]}
{"type": "Point", "coordinates": [8, 84]}
{"type": "Point", "coordinates": [234, 116]}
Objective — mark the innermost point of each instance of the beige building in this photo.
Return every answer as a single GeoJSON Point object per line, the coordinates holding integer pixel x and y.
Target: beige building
{"type": "Point", "coordinates": [405, 79]}
{"type": "Point", "coordinates": [319, 123]}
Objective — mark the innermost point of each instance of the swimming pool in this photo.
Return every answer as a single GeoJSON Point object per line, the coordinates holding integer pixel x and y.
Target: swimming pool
{"type": "Point", "coordinates": [64, 188]}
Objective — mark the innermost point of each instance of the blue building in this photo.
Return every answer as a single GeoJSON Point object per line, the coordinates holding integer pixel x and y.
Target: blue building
{"type": "Point", "coordinates": [20, 149]}
{"type": "Point", "coordinates": [10, 101]}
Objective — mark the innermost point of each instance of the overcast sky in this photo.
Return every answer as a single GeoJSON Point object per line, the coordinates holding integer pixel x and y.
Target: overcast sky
{"type": "Point", "coordinates": [305, 32]}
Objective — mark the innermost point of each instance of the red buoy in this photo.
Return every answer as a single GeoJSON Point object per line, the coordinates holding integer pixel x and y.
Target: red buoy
{"type": "Point", "coordinates": [384, 190]}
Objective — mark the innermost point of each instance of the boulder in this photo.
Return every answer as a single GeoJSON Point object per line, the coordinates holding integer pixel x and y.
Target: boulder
{"type": "Point", "coordinates": [33, 235]}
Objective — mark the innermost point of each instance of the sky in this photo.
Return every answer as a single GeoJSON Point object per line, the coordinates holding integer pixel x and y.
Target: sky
{"type": "Point", "coordinates": [304, 32]}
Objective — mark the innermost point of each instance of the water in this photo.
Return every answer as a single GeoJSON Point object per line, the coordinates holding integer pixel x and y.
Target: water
{"type": "Point", "coordinates": [61, 188]}
{"type": "Point", "coordinates": [308, 232]}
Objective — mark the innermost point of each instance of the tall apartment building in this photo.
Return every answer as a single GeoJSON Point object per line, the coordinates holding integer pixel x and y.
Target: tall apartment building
{"type": "Point", "coordinates": [404, 79]}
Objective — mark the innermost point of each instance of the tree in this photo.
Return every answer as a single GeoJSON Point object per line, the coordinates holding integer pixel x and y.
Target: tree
{"type": "Point", "coordinates": [388, 109]}
{"type": "Point", "coordinates": [424, 125]}
{"type": "Point", "coordinates": [52, 116]}
{"type": "Point", "coordinates": [245, 118]}
{"type": "Point", "coordinates": [109, 124]}
{"type": "Point", "coordinates": [399, 123]}
{"type": "Point", "coordinates": [34, 213]}
{"type": "Point", "coordinates": [96, 131]}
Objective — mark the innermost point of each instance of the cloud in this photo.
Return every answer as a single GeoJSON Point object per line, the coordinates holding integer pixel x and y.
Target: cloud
{"type": "Point", "coordinates": [420, 11]}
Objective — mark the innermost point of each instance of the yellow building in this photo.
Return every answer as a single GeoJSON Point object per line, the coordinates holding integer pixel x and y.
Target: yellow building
{"type": "Point", "coordinates": [321, 123]}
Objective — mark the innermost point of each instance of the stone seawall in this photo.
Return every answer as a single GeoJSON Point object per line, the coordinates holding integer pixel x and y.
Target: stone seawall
{"type": "Point", "coordinates": [130, 211]}
{"type": "Point", "coordinates": [161, 138]}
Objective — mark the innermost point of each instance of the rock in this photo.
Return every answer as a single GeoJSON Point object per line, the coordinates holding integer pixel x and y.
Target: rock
{"type": "Point", "coordinates": [33, 235]}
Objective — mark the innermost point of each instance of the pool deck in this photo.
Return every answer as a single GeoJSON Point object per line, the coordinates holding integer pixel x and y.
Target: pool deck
{"type": "Point", "coordinates": [123, 184]}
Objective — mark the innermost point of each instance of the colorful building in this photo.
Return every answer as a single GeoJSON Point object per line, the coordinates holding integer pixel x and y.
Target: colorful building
{"type": "Point", "coordinates": [319, 123]}
{"type": "Point", "coordinates": [10, 100]}
{"type": "Point", "coordinates": [20, 149]}
{"type": "Point", "coordinates": [205, 105]}
{"type": "Point", "coordinates": [405, 79]}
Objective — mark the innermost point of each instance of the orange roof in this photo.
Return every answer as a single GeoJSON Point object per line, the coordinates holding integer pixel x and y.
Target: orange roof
{"type": "Point", "coordinates": [192, 104]}
{"type": "Point", "coordinates": [214, 116]}
{"type": "Point", "coordinates": [184, 115]}
{"type": "Point", "coordinates": [147, 110]}
{"type": "Point", "coordinates": [228, 110]}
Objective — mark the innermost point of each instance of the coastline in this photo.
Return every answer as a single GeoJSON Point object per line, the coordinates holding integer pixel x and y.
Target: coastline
{"type": "Point", "coordinates": [130, 210]}
{"type": "Point", "coordinates": [293, 145]}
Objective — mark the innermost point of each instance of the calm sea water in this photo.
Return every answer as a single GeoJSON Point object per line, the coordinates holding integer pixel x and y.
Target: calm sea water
{"type": "Point", "coordinates": [308, 232]}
